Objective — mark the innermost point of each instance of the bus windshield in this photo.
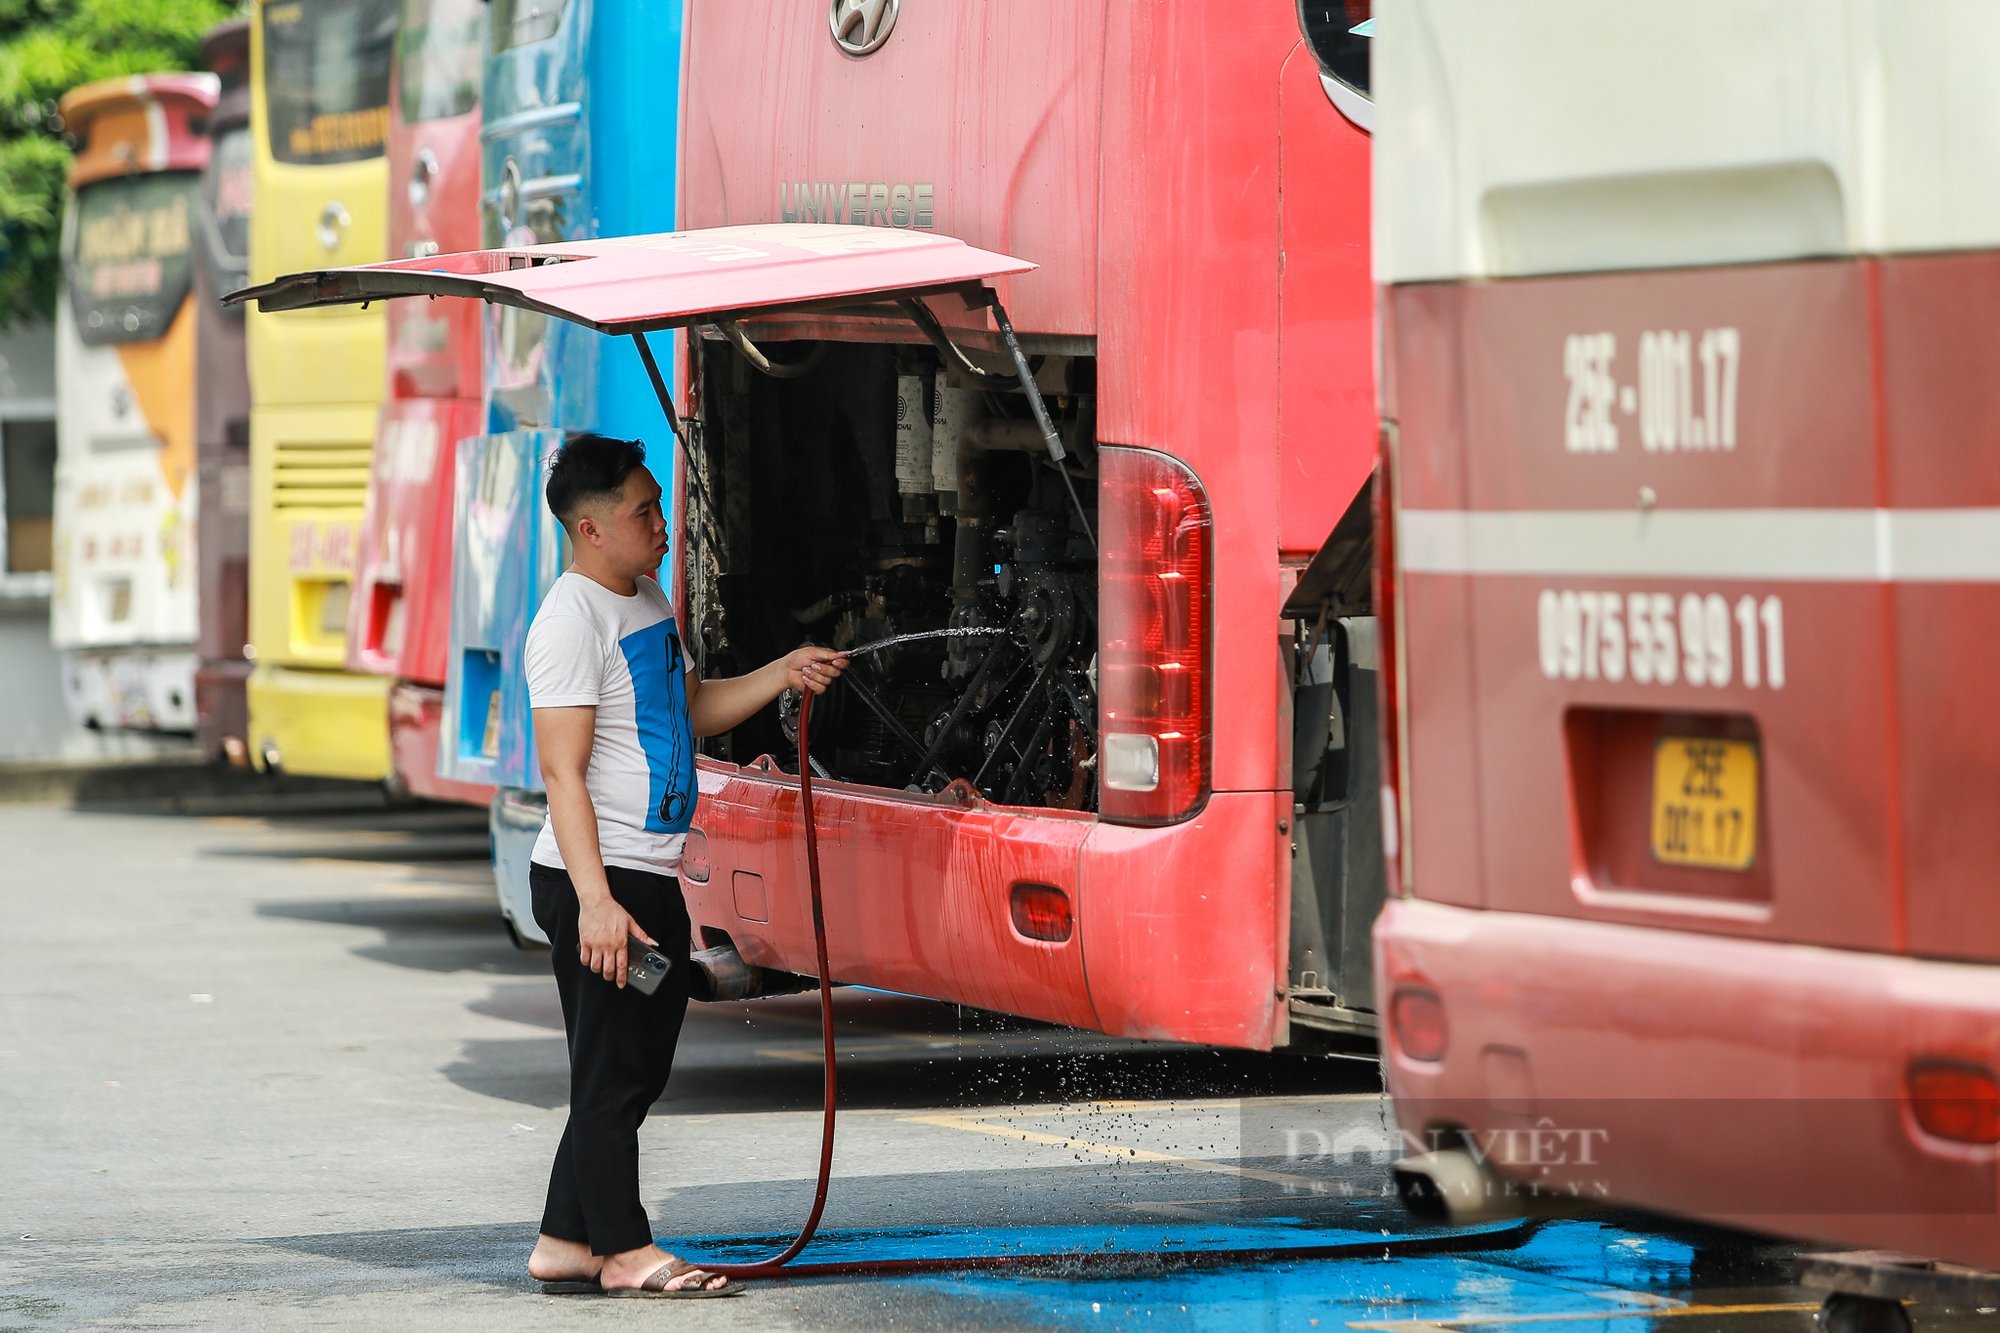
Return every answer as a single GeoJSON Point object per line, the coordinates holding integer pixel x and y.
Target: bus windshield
{"type": "Point", "coordinates": [326, 79]}
{"type": "Point", "coordinates": [1338, 32]}
{"type": "Point", "coordinates": [131, 261]}
{"type": "Point", "coordinates": [440, 56]}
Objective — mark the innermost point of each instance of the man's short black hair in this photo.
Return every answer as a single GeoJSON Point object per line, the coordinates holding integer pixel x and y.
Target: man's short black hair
{"type": "Point", "coordinates": [589, 468]}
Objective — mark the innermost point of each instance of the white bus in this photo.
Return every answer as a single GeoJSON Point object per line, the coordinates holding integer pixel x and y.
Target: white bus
{"type": "Point", "coordinates": [123, 608]}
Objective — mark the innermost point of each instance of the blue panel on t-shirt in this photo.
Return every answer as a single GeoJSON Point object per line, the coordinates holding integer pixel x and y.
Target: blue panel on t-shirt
{"type": "Point", "coordinates": [659, 708]}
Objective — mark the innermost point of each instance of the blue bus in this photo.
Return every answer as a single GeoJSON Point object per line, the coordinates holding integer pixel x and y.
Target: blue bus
{"type": "Point", "coordinates": [579, 139]}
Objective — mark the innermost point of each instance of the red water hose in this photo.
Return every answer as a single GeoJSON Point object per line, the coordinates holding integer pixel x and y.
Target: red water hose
{"type": "Point", "coordinates": [769, 1267]}
{"type": "Point", "coordinates": [780, 1264]}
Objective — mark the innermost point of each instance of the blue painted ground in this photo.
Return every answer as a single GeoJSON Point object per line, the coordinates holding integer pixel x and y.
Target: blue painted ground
{"type": "Point", "coordinates": [1565, 1269]}
{"type": "Point", "coordinates": [1509, 1274]}
{"type": "Point", "coordinates": [1126, 1241]}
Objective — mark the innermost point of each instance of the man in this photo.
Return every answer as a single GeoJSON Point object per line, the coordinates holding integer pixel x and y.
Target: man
{"type": "Point", "coordinates": [617, 706]}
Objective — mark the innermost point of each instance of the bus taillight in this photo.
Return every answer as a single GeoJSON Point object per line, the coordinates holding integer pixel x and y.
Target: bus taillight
{"type": "Point", "coordinates": [1417, 1022]}
{"type": "Point", "coordinates": [1957, 1102]}
{"type": "Point", "coordinates": [1041, 912]}
{"type": "Point", "coordinates": [1155, 651]}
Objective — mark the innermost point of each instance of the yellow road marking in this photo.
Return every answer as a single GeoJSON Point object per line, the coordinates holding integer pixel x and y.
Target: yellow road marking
{"type": "Point", "coordinates": [969, 1125]}
{"type": "Point", "coordinates": [1455, 1323]}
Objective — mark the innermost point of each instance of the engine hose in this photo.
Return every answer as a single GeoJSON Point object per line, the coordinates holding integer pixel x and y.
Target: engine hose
{"type": "Point", "coordinates": [781, 1265]}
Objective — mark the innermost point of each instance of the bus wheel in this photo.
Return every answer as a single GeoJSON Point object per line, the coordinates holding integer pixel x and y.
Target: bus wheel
{"type": "Point", "coordinates": [396, 794]}
{"type": "Point", "coordinates": [1845, 1313]}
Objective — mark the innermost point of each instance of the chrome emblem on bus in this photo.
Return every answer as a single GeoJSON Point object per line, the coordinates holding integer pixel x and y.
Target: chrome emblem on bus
{"type": "Point", "coordinates": [861, 26]}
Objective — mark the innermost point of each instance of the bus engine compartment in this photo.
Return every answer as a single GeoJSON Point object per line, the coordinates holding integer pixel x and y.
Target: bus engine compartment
{"type": "Point", "coordinates": [881, 499]}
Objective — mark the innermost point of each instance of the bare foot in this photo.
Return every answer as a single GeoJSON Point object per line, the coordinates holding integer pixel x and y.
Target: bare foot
{"type": "Point", "coordinates": [562, 1261]}
{"type": "Point", "coordinates": [633, 1268]}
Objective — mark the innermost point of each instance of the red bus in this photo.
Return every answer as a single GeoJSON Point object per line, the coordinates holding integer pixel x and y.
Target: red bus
{"type": "Point", "coordinates": [1694, 571]}
{"type": "Point", "coordinates": [400, 618]}
{"type": "Point", "coordinates": [1124, 781]}
{"type": "Point", "coordinates": [1088, 808]}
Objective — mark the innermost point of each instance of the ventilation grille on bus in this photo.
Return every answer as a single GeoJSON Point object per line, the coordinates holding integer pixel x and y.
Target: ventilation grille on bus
{"type": "Point", "coordinates": [322, 476]}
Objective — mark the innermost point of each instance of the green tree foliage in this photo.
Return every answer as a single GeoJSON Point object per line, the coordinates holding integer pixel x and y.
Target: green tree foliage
{"type": "Point", "coordinates": [48, 47]}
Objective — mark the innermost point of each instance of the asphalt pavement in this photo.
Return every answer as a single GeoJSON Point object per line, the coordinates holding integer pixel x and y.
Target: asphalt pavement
{"type": "Point", "coordinates": [285, 1070]}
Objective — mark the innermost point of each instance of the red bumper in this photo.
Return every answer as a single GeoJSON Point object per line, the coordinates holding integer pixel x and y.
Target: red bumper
{"type": "Point", "coordinates": [416, 715]}
{"type": "Point", "coordinates": [1757, 1084]}
{"type": "Point", "coordinates": [1179, 932]}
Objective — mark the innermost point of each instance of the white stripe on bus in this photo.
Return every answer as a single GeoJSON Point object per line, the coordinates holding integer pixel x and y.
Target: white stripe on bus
{"type": "Point", "coordinates": [1775, 545]}
{"type": "Point", "coordinates": [157, 137]}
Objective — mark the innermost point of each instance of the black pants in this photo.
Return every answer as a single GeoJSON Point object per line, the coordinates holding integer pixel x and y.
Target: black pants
{"type": "Point", "coordinates": [621, 1048]}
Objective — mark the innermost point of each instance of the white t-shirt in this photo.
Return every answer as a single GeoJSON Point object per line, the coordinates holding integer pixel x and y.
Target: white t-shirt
{"type": "Point", "coordinates": [621, 655]}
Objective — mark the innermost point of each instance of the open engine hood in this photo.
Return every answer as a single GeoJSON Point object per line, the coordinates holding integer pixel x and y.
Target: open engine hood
{"type": "Point", "coordinates": [638, 284]}
{"type": "Point", "coordinates": [716, 276]}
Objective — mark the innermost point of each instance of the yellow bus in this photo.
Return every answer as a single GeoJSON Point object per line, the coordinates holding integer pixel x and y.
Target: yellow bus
{"type": "Point", "coordinates": [319, 74]}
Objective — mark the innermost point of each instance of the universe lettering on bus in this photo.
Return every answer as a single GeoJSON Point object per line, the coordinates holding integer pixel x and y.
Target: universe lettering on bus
{"type": "Point", "coordinates": [122, 251]}
{"type": "Point", "coordinates": [857, 203]}
{"type": "Point", "coordinates": [341, 132]}
{"type": "Point", "coordinates": [741, 250]}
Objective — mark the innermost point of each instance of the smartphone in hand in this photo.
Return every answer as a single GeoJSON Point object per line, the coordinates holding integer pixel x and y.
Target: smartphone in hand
{"type": "Point", "coordinates": [645, 966]}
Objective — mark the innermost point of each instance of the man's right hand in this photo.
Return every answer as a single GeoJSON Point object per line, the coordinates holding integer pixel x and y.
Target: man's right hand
{"type": "Point", "coordinates": [602, 931]}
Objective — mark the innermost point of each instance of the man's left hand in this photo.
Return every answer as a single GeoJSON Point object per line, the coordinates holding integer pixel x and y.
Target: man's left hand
{"type": "Point", "coordinates": [813, 668]}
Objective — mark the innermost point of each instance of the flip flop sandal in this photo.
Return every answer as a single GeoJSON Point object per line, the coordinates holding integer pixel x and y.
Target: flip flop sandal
{"type": "Point", "coordinates": [575, 1287]}
{"type": "Point", "coordinates": [655, 1287]}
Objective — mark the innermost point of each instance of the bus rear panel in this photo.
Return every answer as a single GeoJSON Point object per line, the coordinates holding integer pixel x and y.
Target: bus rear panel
{"type": "Point", "coordinates": [1692, 573]}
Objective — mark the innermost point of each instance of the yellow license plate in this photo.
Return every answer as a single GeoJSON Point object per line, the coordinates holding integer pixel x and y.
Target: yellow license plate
{"type": "Point", "coordinates": [1705, 803]}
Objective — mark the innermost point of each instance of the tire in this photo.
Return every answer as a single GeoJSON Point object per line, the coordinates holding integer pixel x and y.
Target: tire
{"type": "Point", "coordinates": [1844, 1313]}
{"type": "Point", "coordinates": [515, 935]}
